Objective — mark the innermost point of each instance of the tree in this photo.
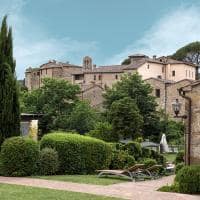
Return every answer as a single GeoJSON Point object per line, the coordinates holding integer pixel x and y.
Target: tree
{"type": "Point", "coordinates": [82, 118]}
{"type": "Point", "coordinates": [55, 100]}
{"type": "Point", "coordinates": [104, 131]}
{"type": "Point", "coordinates": [125, 118]}
{"type": "Point", "coordinates": [189, 53]}
{"type": "Point", "coordinates": [134, 87]}
{"type": "Point", "coordinates": [9, 107]}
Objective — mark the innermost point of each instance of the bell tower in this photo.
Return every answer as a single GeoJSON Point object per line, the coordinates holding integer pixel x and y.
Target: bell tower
{"type": "Point", "coordinates": [87, 63]}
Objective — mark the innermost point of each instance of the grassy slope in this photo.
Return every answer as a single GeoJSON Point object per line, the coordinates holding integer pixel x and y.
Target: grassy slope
{"type": "Point", "coordinates": [88, 179]}
{"type": "Point", "coordinates": [170, 156]}
{"type": "Point", "coordinates": [15, 192]}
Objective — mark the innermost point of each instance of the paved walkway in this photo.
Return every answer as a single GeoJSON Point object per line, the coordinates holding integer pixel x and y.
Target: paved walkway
{"type": "Point", "coordinates": [132, 190]}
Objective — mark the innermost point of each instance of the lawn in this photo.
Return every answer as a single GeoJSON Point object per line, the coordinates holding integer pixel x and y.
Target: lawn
{"type": "Point", "coordinates": [170, 156]}
{"type": "Point", "coordinates": [88, 179]}
{"type": "Point", "coordinates": [15, 192]}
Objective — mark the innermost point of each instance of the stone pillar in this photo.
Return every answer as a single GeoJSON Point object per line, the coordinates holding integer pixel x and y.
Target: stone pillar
{"type": "Point", "coordinates": [193, 139]}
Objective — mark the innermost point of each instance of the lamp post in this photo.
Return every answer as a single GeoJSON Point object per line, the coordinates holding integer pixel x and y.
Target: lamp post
{"type": "Point", "coordinates": [176, 106]}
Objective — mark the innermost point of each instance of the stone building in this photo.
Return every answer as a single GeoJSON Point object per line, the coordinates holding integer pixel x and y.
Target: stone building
{"type": "Point", "coordinates": [164, 74]}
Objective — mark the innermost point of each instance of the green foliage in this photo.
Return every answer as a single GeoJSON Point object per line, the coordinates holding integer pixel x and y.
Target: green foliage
{"type": "Point", "coordinates": [78, 154]}
{"type": "Point", "coordinates": [125, 118]}
{"type": "Point", "coordinates": [9, 107]}
{"type": "Point", "coordinates": [148, 162]}
{"type": "Point", "coordinates": [104, 131]}
{"type": "Point", "coordinates": [171, 188]}
{"type": "Point", "coordinates": [188, 179]}
{"type": "Point", "coordinates": [121, 160]}
{"type": "Point", "coordinates": [178, 167]}
{"type": "Point", "coordinates": [179, 157]}
{"type": "Point", "coordinates": [132, 86]}
{"type": "Point", "coordinates": [48, 161]}
{"type": "Point", "coordinates": [158, 157]}
{"type": "Point", "coordinates": [127, 61]}
{"type": "Point", "coordinates": [134, 149]}
{"type": "Point", "coordinates": [19, 156]}
{"type": "Point", "coordinates": [174, 131]}
{"type": "Point", "coordinates": [82, 118]}
{"type": "Point", "coordinates": [146, 153]}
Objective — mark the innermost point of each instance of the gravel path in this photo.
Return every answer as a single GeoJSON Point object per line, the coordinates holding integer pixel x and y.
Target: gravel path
{"type": "Point", "coordinates": [144, 190]}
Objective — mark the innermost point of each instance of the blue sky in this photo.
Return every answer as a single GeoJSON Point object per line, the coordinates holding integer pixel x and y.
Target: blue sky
{"type": "Point", "coordinates": [106, 30]}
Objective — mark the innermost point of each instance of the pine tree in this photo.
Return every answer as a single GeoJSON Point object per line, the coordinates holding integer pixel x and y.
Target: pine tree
{"type": "Point", "coordinates": [9, 103]}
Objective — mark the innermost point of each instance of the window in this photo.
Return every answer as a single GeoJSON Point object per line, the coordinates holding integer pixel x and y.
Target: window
{"type": "Point", "coordinates": [159, 76]}
{"type": "Point", "coordinates": [100, 77]}
{"type": "Point", "coordinates": [189, 73]}
{"type": "Point", "coordinates": [94, 77]}
{"type": "Point", "coordinates": [147, 66]}
{"type": "Point", "coordinates": [163, 69]}
{"type": "Point", "coordinates": [192, 75]}
{"type": "Point", "coordinates": [116, 76]}
{"type": "Point", "coordinates": [38, 73]}
{"type": "Point", "coordinates": [173, 73]}
{"type": "Point", "coordinates": [46, 71]}
{"type": "Point", "coordinates": [186, 73]}
{"type": "Point", "coordinates": [158, 93]}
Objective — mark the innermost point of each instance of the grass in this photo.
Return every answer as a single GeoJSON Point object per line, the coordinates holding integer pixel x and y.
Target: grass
{"type": "Point", "coordinates": [88, 179]}
{"type": "Point", "coordinates": [170, 156]}
{"type": "Point", "coordinates": [15, 192]}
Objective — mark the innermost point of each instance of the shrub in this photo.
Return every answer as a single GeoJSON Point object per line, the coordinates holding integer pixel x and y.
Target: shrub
{"type": "Point", "coordinates": [171, 188]}
{"type": "Point", "coordinates": [78, 154]}
{"type": "Point", "coordinates": [178, 167]}
{"type": "Point", "coordinates": [179, 157]}
{"type": "Point", "coordinates": [104, 131]}
{"type": "Point", "coordinates": [188, 179]}
{"type": "Point", "coordinates": [158, 157]}
{"type": "Point", "coordinates": [121, 160]}
{"type": "Point", "coordinates": [19, 156]}
{"type": "Point", "coordinates": [134, 149]}
{"type": "Point", "coordinates": [146, 153]}
{"type": "Point", "coordinates": [148, 162]}
{"type": "Point", "coordinates": [48, 161]}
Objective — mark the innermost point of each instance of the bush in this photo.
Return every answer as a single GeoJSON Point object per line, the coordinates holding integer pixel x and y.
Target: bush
{"type": "Point", "coordinates": [146, 153]}
{"type": "Point", "coordinates": [178, 167]}
{"type": "Point", "coordinates": [48, 161]}
{"type": "Point", "coordinates": [171, 188]}
{"type": "Point", "coordinates": [134, 149]}
{"type": "Point", "coordinates": [78, 154]}
{"type": "Point", "coordinates": [158, 157]}
{"type": "Point", "coordinates": [179, 157]}
{"type": "Point", "coordinates": [148, 162]}
{"type": "Point", "coordinates": [104, 131]}
{"type": "Point", "coordinates": [188, 179]}
{"type": "Point", "coordinates": [19, 156]}
{"type": "Point", "coordinates": [121, 160]}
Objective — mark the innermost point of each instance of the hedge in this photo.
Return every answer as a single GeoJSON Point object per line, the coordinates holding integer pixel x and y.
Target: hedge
{"type": "Point", "coordinates": [78, 154]}
{"type": "Point", "coordinates": [188, 179]}
{"type": "Point", "coordinates": [19, 156]}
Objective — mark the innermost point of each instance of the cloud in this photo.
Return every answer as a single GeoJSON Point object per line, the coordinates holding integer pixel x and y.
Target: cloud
{"type": "Point", "coordinates": [174, 30]}
{"type": "Point", "coordinates": [35, 49]}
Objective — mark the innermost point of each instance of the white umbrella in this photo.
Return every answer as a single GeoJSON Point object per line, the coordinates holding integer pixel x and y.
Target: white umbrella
{"type": "Point", "coordinates": [163, 144]}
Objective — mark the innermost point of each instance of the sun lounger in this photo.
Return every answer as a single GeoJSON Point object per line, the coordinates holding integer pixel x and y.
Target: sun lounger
{"type": "Point", "coordinates": [129, 173]}
{"type": "Point", "coordinates": [152, 172]}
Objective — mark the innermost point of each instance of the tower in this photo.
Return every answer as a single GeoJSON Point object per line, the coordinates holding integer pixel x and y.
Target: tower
{"type": "Point", "coordinates": [87, 63]}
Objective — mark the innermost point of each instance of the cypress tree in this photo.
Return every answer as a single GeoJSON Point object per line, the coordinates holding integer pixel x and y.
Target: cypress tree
{"type": "Point", "coordinates": [9, 103]}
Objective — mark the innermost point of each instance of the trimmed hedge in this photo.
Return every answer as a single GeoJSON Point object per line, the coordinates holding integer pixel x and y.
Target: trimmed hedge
{"type": "Point", "coordinates": [78, 154]}
{"type": "Point", "coordinates": [179, 157]}
{"type": "Point", "coordinates": [148, 162]}
{"type": "Point", "coordinates": [19, 156]}
{"type": "Point", "coordinates": [48, 162]}
{"type": "Point", "coordinates": [179, 166]}
{"type": "Point", "coordinates": [188, 179]}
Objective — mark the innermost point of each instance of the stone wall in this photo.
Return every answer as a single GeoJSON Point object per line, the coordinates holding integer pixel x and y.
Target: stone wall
{"type": "Point", "coordinates": [193, 139]}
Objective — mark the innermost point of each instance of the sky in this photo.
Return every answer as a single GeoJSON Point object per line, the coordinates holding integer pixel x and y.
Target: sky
{"type": "Point", "coordinates": [107, 30]}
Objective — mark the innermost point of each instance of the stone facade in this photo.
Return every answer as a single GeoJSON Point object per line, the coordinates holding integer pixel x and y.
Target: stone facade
{"type": "Point", "coordinates": [164, 74]}
{"type": "Point", "coordinates": [192, 93]}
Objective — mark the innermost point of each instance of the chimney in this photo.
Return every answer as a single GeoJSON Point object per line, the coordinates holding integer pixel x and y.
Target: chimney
{"type": "Point", "coordinates": [154, 57]}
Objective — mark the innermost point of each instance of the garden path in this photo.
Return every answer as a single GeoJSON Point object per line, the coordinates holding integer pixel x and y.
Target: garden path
{"type": "Point", "coordinates": [132, 190]}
